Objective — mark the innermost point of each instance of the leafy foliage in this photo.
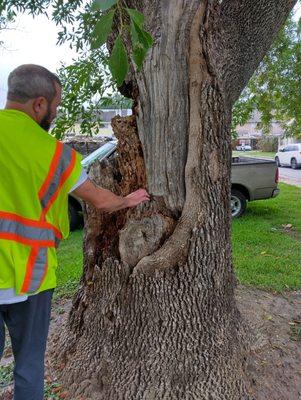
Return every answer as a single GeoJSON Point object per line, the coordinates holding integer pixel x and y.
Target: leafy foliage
{"type": "Point", "coordinates": [85, 83]}
{"type": "Point", "coordinates": [103, 4]}
{"type": "Point", "coordinates": [5, 19]}
{"type": "Point", "coordinates": [274, 90]}
{"type": "Point", "coordinates": [118, 62]}
{"type": "Point", "coordinates": [141, 40]}
{"type": "Point", "coordinates": [102, 30]}
{"type": "Point", "coordinates": [127, 19]}
{"type": "Point", "coordinates": [116, 101]}
{"type": "Point", "coordinates": [242, 111]}
{"type": "Point", "coordinates": [87, 26]}
{"type": "Point", "coordinates": [268, 144]}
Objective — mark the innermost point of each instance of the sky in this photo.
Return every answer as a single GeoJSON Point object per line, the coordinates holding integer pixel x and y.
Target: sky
{"type": "Point", "coordinates": [31, 41]}
{"type": "Point", "coordinates": [34, 41]}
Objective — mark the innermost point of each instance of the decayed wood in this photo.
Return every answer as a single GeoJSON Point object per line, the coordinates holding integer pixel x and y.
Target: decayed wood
{"type": "Point", "coordinates": [130, 160]}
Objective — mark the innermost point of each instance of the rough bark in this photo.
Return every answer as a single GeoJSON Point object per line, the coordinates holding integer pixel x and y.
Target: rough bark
{"type": "Point", "coordinates": [155, 317]}
{"type": "Point", "coordinates": [248, 29]}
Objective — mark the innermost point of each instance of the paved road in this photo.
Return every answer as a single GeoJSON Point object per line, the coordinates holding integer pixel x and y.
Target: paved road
{"type": "Point", "coordinates": [290, 176]}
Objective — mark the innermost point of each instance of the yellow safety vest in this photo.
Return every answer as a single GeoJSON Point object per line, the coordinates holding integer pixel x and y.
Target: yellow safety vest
{"type": "Point", "coordinates": [36, 174]}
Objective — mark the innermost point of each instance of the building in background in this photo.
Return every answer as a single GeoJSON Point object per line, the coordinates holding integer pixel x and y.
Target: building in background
{"type": "Point", "coordinates": [105, 115]}
{"type": "Point", "coordinates": [248, 134]}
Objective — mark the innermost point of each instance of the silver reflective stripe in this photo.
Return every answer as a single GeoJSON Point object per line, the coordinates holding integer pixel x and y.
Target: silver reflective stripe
{"type": "Point", "coordinates": [25, 231]}
{"type": "Point", "coordinates": [39, 270]}
{"type": "Point", "coordinates": [61, 168]}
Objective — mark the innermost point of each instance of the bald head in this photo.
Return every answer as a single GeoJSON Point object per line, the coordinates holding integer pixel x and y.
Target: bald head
{"type": "Point", "coordinates": [36, 91]}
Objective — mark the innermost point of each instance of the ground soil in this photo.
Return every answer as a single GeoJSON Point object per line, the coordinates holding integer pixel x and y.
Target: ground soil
{"type": "Point", "coordinates": [275, 325]}
{"type": "Point", "coordinates": [274, 321]}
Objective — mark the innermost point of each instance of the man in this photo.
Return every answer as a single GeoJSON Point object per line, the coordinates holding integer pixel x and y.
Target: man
{"type": "Point", "coordinates": [37, 173]}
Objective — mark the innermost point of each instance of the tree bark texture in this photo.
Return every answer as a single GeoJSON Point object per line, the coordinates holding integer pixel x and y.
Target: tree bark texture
{"type": "Point", "coordinates": [155, 316]}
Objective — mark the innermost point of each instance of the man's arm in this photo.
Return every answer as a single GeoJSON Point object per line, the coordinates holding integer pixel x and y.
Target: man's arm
{"type": "Point", "coordinates": [107, 201]}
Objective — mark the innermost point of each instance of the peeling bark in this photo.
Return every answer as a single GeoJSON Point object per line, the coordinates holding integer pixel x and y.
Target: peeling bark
{"type": "Point", "coordinates": [155, 316]}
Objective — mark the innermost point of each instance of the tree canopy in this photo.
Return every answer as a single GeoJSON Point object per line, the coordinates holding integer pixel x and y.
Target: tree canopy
{"type": "Point", "coordinates": [85, 25]}
{"type": "Point", "coordinates": [274, 89]}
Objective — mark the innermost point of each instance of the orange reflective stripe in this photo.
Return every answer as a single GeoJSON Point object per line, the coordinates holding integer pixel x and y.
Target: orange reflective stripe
{"type": "Point", "coordinates": [29, 268]}
{"type": "Point", "coordinates": [63, 179]}
{"type": "Point", "coordinates": [53, 167]}
{"type": "Point", "coordinates": [37, 268]}
{"type": "Point", "coordinates": [61, 167]}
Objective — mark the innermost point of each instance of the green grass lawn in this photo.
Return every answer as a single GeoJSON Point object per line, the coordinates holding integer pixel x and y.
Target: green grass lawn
{"type": "Point", "coordinates": [266, 254]}
{"type": "Point", "coordinates": [70, 262]}
{"type": "Point", "coordinates": [255, 153]}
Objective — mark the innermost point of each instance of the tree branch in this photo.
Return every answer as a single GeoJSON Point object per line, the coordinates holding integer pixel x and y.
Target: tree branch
{"type": "Point", "coordinates": [248, 29]}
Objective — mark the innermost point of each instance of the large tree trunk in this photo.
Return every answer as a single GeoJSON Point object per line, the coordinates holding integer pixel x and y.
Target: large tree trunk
{"type": "Point", "coordinates": [155, 316]}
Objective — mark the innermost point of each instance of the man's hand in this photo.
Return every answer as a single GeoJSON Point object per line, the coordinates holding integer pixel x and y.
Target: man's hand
{"type": "Point", "coordinates": [107, 201]}
{"type": "Point", "coordinates": [137, 197]}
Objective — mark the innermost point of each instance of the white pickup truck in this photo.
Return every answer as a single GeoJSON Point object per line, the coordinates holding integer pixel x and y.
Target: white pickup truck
{"type": "Point", "coordinates": [251, 179]}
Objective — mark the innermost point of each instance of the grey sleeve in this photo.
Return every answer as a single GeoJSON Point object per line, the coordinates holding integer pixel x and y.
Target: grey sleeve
{"type": "Point", "coordinates": [82, 178]}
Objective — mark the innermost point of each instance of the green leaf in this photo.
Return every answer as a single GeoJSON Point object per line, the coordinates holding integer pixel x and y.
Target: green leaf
{"type": "Point", "coordinates": [148, 38]}
{"type": "Point", "coordinates": [103, 4]}
{"type": "Point", "coordinates": [118, 61]}
{"type": "Point", "coordinates": [134, 34]}
{"type": "Point", "coordinates": [102, 30]}
{"type": "Point", "coordinates": [139, 54]}
{"type": "Point", "coordinates": [141, 43]}
{"type": "Point", "coordinates": [136, 16]}
{"type": "Point", "coordinates": [141, 36]}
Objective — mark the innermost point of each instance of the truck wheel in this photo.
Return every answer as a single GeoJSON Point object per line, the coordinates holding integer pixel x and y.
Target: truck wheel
{"type": "Point", "coordinates": [238, 203]}
{"type": "Point", "coordinates": [277, 161]}
{"type": "Point", "coordinates": [75, 219]}
{"type": "Point", "coordinates": [294, 164]}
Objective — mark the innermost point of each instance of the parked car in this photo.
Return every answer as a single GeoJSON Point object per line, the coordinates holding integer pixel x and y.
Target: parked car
{"type": "Point", "coordinates": [251, 179]}
{"type": "Point", "coordinates": [74, 203]}
{"type": "Point", "coordinates": [289, 155]}
{"type": "Point", "coordinates": [244, 147]}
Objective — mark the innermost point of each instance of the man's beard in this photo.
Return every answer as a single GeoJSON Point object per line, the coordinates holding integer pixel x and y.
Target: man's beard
{"type": "Point", "coordinates": [46, 121]}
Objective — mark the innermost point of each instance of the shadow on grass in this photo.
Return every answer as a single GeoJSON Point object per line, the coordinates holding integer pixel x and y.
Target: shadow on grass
{"type": "Point", "coordinates": [254, 210]}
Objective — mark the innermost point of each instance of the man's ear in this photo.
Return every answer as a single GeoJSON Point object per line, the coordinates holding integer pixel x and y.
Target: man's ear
{"type": "Point", "coordinates": [39, 105]}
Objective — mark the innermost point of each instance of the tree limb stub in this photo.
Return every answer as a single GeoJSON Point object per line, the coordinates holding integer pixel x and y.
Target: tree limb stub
{"type": "Point", "coordinates": [248, 28]}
